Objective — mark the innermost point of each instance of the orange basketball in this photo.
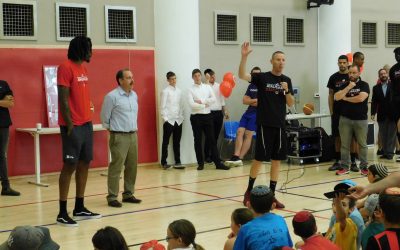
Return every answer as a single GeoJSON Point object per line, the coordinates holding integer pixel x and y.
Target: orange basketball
{"type": "Point", "coordinates": [308, 108]}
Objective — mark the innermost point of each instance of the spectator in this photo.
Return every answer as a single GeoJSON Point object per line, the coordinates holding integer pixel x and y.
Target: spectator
{"type": "Point", "coordinates": [267, 230]}
{"type": "Point", "coordinates": [375, 225]}
{"type": "Point", "coordinates": [181, 235]}
{"type": "Point", "coordinates": [389, 203]}
{"type": "Point", "coordinates": [29, 238]}
{"type": "Point", "coordinates": [359, 192]}
{"type": "Point", "coordinates": [109, 238]}
{"type": "Point", "coordinates": [239, 217]}
{"type": "Point", "coordinates": [304, 225]}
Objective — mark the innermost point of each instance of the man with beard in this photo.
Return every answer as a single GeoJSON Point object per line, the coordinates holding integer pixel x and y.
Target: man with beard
{"type": "Point", "coordinates": [395, 80]}
{"type": "Point", "coordinates": [382, 106]}
{"type": "Point", "coordinates": [335, 83]}
{"type": "Point", "coordinates": [353, 119]}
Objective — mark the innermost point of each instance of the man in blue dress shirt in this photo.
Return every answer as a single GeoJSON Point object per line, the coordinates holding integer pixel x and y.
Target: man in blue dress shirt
{"type": "Point", "coordinates": [119, 116]}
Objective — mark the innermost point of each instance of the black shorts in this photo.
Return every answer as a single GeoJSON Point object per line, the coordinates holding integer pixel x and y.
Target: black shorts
{"type": "Point", "coordinates": [335, 125]}
{"type": "Point", "coordinates": [270, 144]}
{"type": "Point", "coordinates": [79, 145]}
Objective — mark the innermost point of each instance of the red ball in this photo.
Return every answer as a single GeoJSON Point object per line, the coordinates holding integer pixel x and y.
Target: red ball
{"type": "Point", "coordinates": [226, 89]}
{"type": "Point", "coordinates": [229, 77]}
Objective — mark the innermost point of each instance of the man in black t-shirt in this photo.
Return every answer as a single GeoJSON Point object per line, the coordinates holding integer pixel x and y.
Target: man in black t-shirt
{"type": "Point", "coordinates": [335, 83]}
{"type": "Point", "coordinates": [6, 101]}
{"type": "Point", "coordinates": [353, 119]}
{"type": "Point", "coordinates": [274, 93]}
{"type": "Point", "coordinates": [394, 75]}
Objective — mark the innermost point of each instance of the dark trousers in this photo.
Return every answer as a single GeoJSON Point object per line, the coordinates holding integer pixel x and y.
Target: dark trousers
{"type": "Point", "coordinates": [4, 135]}
{"type": "Point", "coordinates": [203, 123]}
{"type": "Point", "coordinates": [218, 118]}
{"type": "Point", "coordinates": [176, 131]}
{"type": "Point", "coordinates": [388, 130]}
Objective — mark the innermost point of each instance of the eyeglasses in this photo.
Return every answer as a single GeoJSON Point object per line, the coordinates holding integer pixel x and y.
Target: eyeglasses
{"type": "Point", "coordinates": [169, 238]}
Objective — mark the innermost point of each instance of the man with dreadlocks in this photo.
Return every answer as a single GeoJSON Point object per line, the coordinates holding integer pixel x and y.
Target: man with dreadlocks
{"type": "Point", "coordinates": [75, 120]}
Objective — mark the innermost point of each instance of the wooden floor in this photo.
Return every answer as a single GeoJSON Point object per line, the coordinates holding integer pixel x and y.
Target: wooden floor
{"type": "Point", "coordinates": [206, 198]}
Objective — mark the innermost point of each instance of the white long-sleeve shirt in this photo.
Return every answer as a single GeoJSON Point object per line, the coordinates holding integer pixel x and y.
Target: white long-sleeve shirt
{"type": "Point", "coordinates": [172, 105]}
{"type": "Point", "coordinates": [219, 98]}
{"type": "Point", "coordinates": [205, 94]}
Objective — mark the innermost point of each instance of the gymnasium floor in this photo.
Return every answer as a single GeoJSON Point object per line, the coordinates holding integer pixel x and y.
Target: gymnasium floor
{"type": "Point", "coordinates": [206, 198]}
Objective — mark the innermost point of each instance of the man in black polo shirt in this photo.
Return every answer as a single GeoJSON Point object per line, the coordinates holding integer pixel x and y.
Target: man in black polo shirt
{"type": "Point", "coordinates": [335, 83]}
{"type": "Point", "coordinates": [353, 119]}
{"type": "Point", "coordinates": [6, 101]}
{"type": "Point", "coordinates": [394, 75]}
{"type": "Point", "coordinates": [389, 204]}
{"type": "Point", "coordinates": [274, 93]}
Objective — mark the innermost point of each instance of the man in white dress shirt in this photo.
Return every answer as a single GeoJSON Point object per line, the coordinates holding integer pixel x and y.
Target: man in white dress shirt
{"type": "Point", "coordinates": [218, 112]}
{"type": "Point", "coordinates": [172, 114]}
{"type": "Point", "coordinates": [201, 96]}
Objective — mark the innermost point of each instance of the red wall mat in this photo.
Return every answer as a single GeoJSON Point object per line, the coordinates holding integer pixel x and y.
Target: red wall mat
{"type": "Point", "coordinates": [23, 70]}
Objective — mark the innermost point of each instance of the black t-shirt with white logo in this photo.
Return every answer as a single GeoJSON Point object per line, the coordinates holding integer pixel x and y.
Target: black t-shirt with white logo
{"type": "Point", "coordinates": [5, 119]}
{"type": "Point", "coordinates": [356, 111]}
{"type": "Point", "coordinates": [336, 81]}
{"type": "Point", "coordinates": [271, 100]}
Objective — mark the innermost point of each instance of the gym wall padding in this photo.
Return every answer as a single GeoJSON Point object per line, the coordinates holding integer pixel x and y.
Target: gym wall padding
{"type": "Point", "coordinates": [22, 68]}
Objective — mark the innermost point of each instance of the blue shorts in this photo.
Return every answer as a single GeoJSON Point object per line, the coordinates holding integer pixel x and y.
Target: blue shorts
{"type": "Point", "coordinates": [248, 121]}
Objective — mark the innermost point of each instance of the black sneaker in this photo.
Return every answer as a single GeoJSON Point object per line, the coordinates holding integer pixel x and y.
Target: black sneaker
{"type": "Point", "coordinates": [354, 167]}
{"type": "Point", "coordinates": [335, 166]}
{"type": "Point", "coordinates": [208, 160]}
{"type": "Point", "coordinates": [166, 166]}
{"type": "Point", "coordinates": [200, 167]}
{"type": "Point", "coordinates": [223, 167]}
{"type": "Point", "coordinates": [179, 166]}
{"type": "Point", "coordinates": [7, 191]}
{"type": "Point", "coordinates": [379, 152]}
{"type": "Point", "coordinates": [85, 214]}
{"type": "Point", "coordinates": [66, 221]}
{"type": "Point", "coordinates": [397, 152]}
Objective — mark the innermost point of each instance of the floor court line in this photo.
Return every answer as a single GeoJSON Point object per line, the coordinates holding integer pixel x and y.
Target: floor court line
{"type": "Point", "coordinates": [147, 188]}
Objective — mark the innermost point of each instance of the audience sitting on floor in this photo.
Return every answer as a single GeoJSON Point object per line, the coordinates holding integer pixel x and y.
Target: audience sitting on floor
{"type": "Point", "coordinates": [304, 225]}
{"type": "Point", "coordinates": [267, 230]}
{"type": "Point", "coordinates": [181, 234]}
{"type": "Point", "coordinates": [109, 238]}
{"type": "Point", "coordinates": [389, 207]}
{"type": "Point", "coordinates": [355, 215]}
{"type": "Point", "coordinates": [29, 238]}
{"type": "Point", "coordinates": [374, 223]}
{"type": "Point", "coordinates": [239, 217]}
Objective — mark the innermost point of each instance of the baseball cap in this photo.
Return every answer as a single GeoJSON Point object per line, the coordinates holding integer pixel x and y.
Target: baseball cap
{"type": "Point", "coordinates": [371, 203]}
{"type": "Point", "coordinates": [29, 238]}
{"type": "Point", "coordinates": [342, 187]}
{"type": "Point", "coordinates": [152, 245]}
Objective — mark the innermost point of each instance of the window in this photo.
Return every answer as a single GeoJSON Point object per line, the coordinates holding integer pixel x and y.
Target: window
{"type": "Point", "coordinates": [261, 30]}
{"type": "Point", "coordinates": [226, 27]}
{"type": "Point", "coordinates": [72, 20]}
{"type": "Point", "coordinates": [120, 24]}
{"type": "Point", "coordinates": [368, 34]}
{"type": "Point", "coordinates": [294, 31]}
{"type": "Point", "coordinates": [392, 34]}
{"type": "Point", "coordinates": [18, 19]}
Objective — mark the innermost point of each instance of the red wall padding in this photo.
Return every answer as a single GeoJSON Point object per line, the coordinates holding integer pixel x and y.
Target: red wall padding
{"type": "Point", "coordinates": [23, 70]}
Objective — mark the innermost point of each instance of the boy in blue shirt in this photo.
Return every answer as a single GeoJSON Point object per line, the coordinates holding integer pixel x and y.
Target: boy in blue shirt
{"type": "Point", "coordinates": [267, 230]}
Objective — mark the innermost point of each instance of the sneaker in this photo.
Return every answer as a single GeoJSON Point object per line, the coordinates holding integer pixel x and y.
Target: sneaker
{"type": "Point", "coordinates": [379, 152]}
{"type": "Point", "coordinates": [208, 160]}
{"type": "Point", "coordinates": [278, 204]}
{"type": "Point", "coordinates": [397, 152]}
{"type": "Point", "coordinates": [66, 221]}
{"type": "Point", "coordinates": [85, 214]}
{"type": "Point", "coordinates": [354, 167]}
{"type": "Point", "coordinates": [364, 171]}
{"type": "Point", "coordinates": [343, 171]}
{"type": "Point", "coordinates": [114, 203]}
{"type": "Point", "coordinates": [166, 166]}
{"type": "Point", "coordinates": [236, 163]}
{"type": "Point", "coordinates": [200, 167]}
{"type": "Point", "coordinates": [398, 158]}
{"type": "Point", "coordinates": [179, 166]}
{"type": "Point", "coordinates": [246, 198]}
{"type": "Point", "coordinates": [335, 166]}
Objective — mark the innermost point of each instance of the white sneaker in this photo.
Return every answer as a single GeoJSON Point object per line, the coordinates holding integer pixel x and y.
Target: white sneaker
{"type": "Point", "coordinates": [234, 163]}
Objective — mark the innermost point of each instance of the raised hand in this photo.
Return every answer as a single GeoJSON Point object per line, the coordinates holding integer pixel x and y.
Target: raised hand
{"type": "Point", "coordinates": [246, 49]}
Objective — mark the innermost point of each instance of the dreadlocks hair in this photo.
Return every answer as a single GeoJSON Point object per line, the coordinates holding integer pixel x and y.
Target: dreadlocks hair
{"type": "Point", "coordinates": [80, 49]}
